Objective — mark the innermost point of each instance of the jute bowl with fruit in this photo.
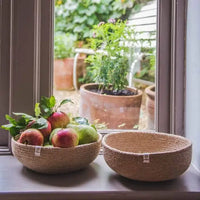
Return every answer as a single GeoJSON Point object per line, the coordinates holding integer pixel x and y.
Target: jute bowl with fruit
{"type": "Point", "coordinates": [50, 142]}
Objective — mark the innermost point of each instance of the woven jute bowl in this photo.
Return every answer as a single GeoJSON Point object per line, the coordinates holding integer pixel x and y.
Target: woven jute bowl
{"type": "Point", "coordinates": [147, 156]}
{"type": "Point", "coordinates": [54, 160]}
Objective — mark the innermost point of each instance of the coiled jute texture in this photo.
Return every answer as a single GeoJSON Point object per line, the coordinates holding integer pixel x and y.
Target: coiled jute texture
{"type": "Point", "coordinates": [147, 156]}
{"type": "Point", "coordinates": [54, 160]}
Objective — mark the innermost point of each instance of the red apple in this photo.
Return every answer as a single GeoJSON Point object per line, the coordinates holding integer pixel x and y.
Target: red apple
{"type": "Point", "coordinates": [53, 133]}
{"type": "Point", "coordinates": [58, 120]}
{"type": "Point", "coordinates": [46, 131]}
{"type": "Point", "coordinates": [32, 137]}
{"type": "Point", "coordinates": [65, 138]}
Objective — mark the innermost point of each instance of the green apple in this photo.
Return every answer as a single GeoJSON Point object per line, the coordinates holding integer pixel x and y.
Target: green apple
{"type": "Point", "coordinates": [86, 133]}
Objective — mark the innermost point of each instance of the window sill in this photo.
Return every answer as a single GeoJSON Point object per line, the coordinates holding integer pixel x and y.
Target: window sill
{"type": "Point", "coordinates": [97, 181]}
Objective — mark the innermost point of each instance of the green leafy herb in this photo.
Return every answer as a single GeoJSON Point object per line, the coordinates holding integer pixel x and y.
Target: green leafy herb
{"type": "Point", "coordinates": [7, 126]}
{"type": "Point", "coordinates": [15, 126]}
{"type": "Point", "coordinates": [26, 116]}
{"type": "Point", "coordinates": [42, 110]}
{"type": "Point", "coordinates": [40, 123]}
{"type": "Point", "coordinates": [37, 110]}
{"type": "Point", "coordinates": [110, 67]}
{"type": "Point", "coordinates": [10, 119]}
{"type": "Point", "coordinates": [47, 105]}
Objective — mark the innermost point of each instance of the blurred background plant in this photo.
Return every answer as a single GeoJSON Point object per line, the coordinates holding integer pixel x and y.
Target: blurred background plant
{"type": "Point", "coordinates": [147, 65]}
{"type": "Point", "coordinates": [74, 20]}
{"type": "Point", "coordinates": [78, 16]}
{"type": "Point", "coordinates": [64, 45]}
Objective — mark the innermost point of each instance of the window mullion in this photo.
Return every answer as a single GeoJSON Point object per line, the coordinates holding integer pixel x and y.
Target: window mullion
{"type": "Point", "coordinates": [178, 67]}
{"type": "Point", "coordinates": [163, 66]}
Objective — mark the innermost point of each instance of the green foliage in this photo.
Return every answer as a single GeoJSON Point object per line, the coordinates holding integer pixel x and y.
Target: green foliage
{"type": "Point", "coordinates": [110, 66]}
{"type": "Point", "coordinates": [147, 71]}
{"type": "Point", "coordinates": [26, 116]}
{"type": "Point", "coordinates": [37, 110]}
{"type": "Point", "coordinates": [43, 110]}
{"type": "Point", "coordinates": [64, 102]}
{"type": "Point", "coordinates": [64, 45]}
{"type": "Point", "coordinates": [15, 126]}
{"type": "Point", "coordinates": [40, 123]}
{"type": "Point", "coordinates": [78, 16]}
{"type": "Point", "coordinates": [49, 105]}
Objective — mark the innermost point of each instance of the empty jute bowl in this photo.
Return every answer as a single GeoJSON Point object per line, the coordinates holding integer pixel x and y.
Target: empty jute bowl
{"type": "Point", "coordinates": [54, 160]}
{"type": "Point", "coordinates": [147, 156]}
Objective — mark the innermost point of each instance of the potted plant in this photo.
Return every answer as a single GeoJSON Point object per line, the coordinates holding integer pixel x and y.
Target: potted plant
{"type": "Point", "coordinates": [109, 100]}
{"type": "Point", "coordinates": [64, 61]}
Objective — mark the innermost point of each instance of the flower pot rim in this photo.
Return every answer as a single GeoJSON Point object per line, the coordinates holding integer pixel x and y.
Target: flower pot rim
{"type": "Point", "coordinates": [149, 91]}
{"type": "Point", "coordinates": [83, 88]}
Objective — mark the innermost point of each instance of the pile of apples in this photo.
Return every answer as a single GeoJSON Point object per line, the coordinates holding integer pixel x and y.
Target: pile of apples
{"type": "Point", "coordinates": [50, 127]}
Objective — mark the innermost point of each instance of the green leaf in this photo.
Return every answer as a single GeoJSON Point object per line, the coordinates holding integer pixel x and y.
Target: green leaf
{"type": "Point", "coordinates": [91, 20]}
{"type": "Point", "coordinates": [10, 119]}
{"type": "Point", "coordinates": [14, 131]}
{"type": "Point", "coordinates": [91, 10]}
{"type": "Point", "coordinates": [81, 120]}
{"type": "Point", "coordinates": [7, 126]}
{"type": "Point", "coordinates": [37, 110]}
{"type": "Point", "coordinates": [79, 28]}
{"type": "Point", "coordinates": [23, 122]}
{"type": "Point", "coordinates": [26, 116]}
{"type": "Point", "coordinates": [93, 126]}
{"type": "Point", "coordinates": [65, 101]}
{"type": "Point", "coordinates": [48, 102]}
{"type": "Point", "coordinates": [52, 102]}
{"type": "Point", "coordinates": [40, 123]}
{"type": "Point", "coordinates": [47, 105]}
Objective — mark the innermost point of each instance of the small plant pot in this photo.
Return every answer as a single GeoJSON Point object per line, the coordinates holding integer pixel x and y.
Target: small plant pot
{"type": "Point", "coordinates": [150, 106]}
{"type": "Point", "coordinates": [63, 72]}
{"type": "Point", "coordinates": [117, 112]}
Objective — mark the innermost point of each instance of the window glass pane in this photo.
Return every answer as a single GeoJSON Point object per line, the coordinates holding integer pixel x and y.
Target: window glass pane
{"type": "Point", "coordinates": [192, 124]}
{"type": "Point", "coordinates": [73, 30]}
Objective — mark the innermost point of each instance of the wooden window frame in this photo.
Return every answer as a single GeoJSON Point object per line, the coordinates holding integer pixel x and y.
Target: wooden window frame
{"type": "Point", "coordinates": [170, 82]}
{"type": "Point", "coordinates": [27, 59]}
{"type": "Point", "coordinates": [26, 32]}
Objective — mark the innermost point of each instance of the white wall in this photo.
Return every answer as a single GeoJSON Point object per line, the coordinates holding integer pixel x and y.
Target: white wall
{"type": "Point", "coordinates": [193, 79]}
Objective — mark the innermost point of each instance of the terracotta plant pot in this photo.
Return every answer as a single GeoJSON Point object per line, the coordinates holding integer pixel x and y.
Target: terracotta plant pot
{"type": "Point", "coordinates": [111, 110]}
{"type": "Point", "coordinates": [150, 106]}
{"type": "Point", "coordinates": [63, 72]}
